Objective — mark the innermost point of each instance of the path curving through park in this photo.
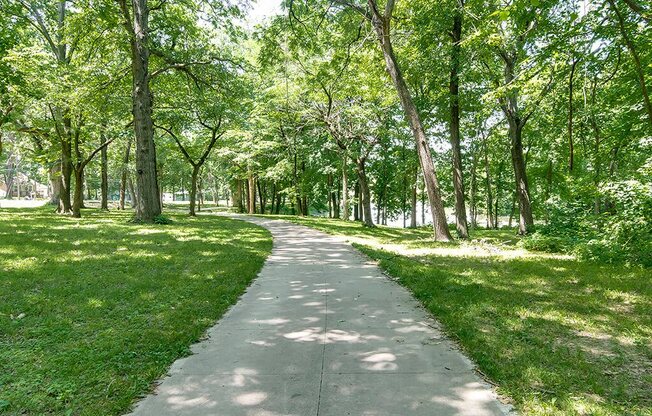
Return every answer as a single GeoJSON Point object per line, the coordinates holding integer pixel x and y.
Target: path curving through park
{"type": "Point", "coordinates": [322, 332]}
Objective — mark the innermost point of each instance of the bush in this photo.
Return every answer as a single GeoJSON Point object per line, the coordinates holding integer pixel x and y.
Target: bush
{"type": "Point", "coordinates": [622, 235]}
{"type": "Point", "coordinates": [626, 235]}
{"type": "Point", "coordinates": [548, 243]}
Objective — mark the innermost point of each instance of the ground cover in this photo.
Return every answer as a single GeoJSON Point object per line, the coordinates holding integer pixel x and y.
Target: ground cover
{"type": "Point", "coordinates": [92, 311]}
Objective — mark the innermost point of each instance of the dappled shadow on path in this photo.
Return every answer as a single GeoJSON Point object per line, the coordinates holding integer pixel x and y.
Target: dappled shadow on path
{"type": "Point", "coordinates": [552, 332]}
{"type": "Point", "coordinates": [322, 332]}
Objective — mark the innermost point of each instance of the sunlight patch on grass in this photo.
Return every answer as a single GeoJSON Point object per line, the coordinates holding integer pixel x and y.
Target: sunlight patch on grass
{"type": "Point", "coordinates": [92, 311]}
{"type": "Point", "coordinates": [559, 336]}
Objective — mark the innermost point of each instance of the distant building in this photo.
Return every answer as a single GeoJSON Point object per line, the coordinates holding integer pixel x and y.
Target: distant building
{"type": "Point", "coordinates": [22, 187]}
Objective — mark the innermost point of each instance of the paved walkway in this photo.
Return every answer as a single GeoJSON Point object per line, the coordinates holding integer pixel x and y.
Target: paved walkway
{"type": "Point", "coordinates": [322, 332]}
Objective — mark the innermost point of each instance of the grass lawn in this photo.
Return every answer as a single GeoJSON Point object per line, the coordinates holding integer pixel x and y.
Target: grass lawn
{"type": "Point", "coordinates": [558, 336]}
{"type": "Point", "coordinates": [92, 311]}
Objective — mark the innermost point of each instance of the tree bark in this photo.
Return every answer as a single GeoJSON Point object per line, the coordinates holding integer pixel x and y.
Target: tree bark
{"type": "Point", "coordinates": [516, 124]}
{"type": "Point", "coordinates": [526, 221]}
{"type": "Point", "coordinates": [123, 179]}
{"type": "Point", "coordinates": [454, 88]}
{"type": "Point", "coordinates": [571, 147]}
{"type": "Point", "coordinates": [473, 209]}
{"type": "Point", "coordinates": [193, 190]}
{"type": "Point", "coordinates": [365, 194]}
{"type": "Point", "coordinates": [413, 212]}
{"type": "Point", "coordinates": [345, 190]}
{"type": "Point", "coordinates": [149, 205]}
{"type": "Point", "coordinates": [65, 206]}
{"type": "Point", "coordinates": [261, 197]}
{"type": "Point", "coordinates": [252, 194]}
{"type": "Point", "coordinates": [54, 176]}
{"type": "Point", "coordinates": [356, 202]}
{"type": "Point", "coordinates": [104, 173]}
{"type": "Point", "coordinates": [491, 223]}
{"type": "Point", "coordinates": [381, 25]}
{"type": "Point", "coordinates": [78, 196]}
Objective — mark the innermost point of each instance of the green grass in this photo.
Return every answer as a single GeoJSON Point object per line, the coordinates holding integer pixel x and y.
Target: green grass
{"type": "Point", "coordinates": [92, 311]}
{"type": "Point", "coordinates": [420, 236]}
{"type": "Point", "coordinates": [557, 335]}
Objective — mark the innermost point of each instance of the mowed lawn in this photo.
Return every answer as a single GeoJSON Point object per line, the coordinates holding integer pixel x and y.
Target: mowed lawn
{"type": "Point", "coordinates": [557, 335]}
{"type": "Point", "coordinates": [92, 311]}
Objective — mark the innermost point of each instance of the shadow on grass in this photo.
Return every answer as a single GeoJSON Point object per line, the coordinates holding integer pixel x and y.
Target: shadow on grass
{"type": "Point", "coordinates": [558, 336]}
{"type": "Point", "coordinates": [92, 311]}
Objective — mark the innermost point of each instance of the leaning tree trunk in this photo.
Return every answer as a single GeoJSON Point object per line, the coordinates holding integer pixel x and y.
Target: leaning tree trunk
{"type": "Point", "coordinates": [105, 178]}
{"type": "Point", "coordinates": [526, 220]}
{"type": "Point", "coordinates": [440, 226]}
{"type": "Point", "coordinates": [454, 88]}
{"type": "Point", "coordinates": [365, 195]}
{"type": "Point", "coordinates": [149, 205]}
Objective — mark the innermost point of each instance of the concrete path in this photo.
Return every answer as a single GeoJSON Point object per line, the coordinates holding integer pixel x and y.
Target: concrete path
{"type": "Point", "coordinates": [322, 332]}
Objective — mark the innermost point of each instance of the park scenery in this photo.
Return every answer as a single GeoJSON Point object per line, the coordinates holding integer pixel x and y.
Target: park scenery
{"type": "Point", "coordinates": [326, 207]}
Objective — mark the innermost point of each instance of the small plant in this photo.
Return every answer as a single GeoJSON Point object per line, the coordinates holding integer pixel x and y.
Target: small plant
{"type": "Point", "coordinates": [159, 219]}
{"type": "Point", "coordinates": [162, 220]}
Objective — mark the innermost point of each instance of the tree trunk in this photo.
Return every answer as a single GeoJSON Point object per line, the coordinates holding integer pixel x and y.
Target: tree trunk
{"type": "Point", "coordinates": [335, 200]}
{"type": "Point", "coordinates": [123, 179]}
{"type": "Point", "coordinates": [132, 193]}
{"type": "Point", "coordinates": [548, 188]}
{"type": "Point", "coordinates": [193, 189]}
{"type": "Point", "coordinates": [474, 191]}
{"type": "Point", "coordinates": [454, 88]}
{"type": "Point", "coordinates": [526, 220]}
{"type": "Point", "coordinates": [512, 211]}
{"type": "Point", "coordinates": [104, 174]}
{"type": "Point", "coordinates": [54, 176]}
{"type": "Point", "coordinates": [78, 196]}
{"type": "Point", "coordinates": [356, 201]}
{"type": "Point", "coordinates": [200, 192]}
{"type": "Point", "coordinates": [149, 205]}
{"type": "Point", "coordinates": [345, 190]}
{"type": "Point", "coordinates": [413, 212]}
{"type": "Point", "coordinates": [261, 197]}
{"type": "Point", "coordinates": [65, 207]}
{"type": "Point", "coordinates": [440, 226]}
{"type": "Point", "coordinates": [491, 220]}
{"type": "Point", "coordinates": [252, 194]}
{"type": "Point", "coordinates": [273, 199]}
{"type": "Point", "coordinates": [571, 147]}
{"type": "Point", "coordinates": [499, 181]}
{"type": "Point", "coordinates": [365, 194]}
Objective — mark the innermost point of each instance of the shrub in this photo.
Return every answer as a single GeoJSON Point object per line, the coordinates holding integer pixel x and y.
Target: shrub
{"type": "Point", "coordinates": [548, 243]}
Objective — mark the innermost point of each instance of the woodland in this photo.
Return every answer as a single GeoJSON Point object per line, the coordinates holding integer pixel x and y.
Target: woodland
{"type": "Point", "coordinates": [529, 114]}
{"type": "Point", "coordinates": [522, 128]}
